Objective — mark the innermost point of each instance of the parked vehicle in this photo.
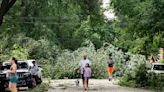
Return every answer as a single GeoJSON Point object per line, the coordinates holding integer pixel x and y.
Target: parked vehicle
{"type": "Point", "coordinates": [3, 81]}
{"type": "Point", "coordinates": [23, 73]}
{"type": "Point", "coordinates": [157, 68]}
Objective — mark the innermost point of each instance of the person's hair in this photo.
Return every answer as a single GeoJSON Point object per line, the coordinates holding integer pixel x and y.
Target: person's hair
{"type": "Point", "coordinates": [15, 60]}
{"type": "Point", "coordinates": [110, 56]}
{"type": "Point", "coordinates": [88, 65]}
{"type": "Point", "coordinates": [33, 61]}
{"type": "Point", "coordinates": [85, 56]}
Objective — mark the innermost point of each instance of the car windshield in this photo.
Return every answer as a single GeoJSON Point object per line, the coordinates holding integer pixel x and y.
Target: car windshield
{"type": "Point", "coordinates": [158, 67]}
{"type": "Point", "coordinates": [21, 65]}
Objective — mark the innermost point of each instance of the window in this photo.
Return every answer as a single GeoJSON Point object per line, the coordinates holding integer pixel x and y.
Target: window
{"type": "Point", "coordinates": [21, 65]}
{"type": "Point", "coordinates": [158, 67]}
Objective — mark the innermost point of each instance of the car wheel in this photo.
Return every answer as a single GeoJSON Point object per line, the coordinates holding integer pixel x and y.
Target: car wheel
{"type": "Point", "coordinates": [31, 84]}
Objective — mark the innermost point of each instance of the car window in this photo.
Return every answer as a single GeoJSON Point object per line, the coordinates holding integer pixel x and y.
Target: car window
{"type": "Point", "coordinates": [22, 65]}
{"type": "Point", "coordinates": [158, 67]}
{"type": "Point", "coordinates": [7, 66]}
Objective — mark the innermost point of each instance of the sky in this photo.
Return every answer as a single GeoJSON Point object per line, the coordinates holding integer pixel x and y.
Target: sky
{"type": "Point", "coordinates": [109, 14]}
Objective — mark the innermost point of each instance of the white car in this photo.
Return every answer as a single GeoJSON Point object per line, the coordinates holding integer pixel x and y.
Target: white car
{"type": "Point", "coordinates": [157, 68]}
{"type": "Point", "coordinates": [23, 73]}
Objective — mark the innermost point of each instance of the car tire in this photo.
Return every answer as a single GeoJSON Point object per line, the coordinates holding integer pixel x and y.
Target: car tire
{"type": "Point", "coordinates": [30, 84]}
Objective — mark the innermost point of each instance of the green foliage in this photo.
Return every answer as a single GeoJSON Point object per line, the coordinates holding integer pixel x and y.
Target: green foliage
{"type": "Point", "coordinates": [19, 53]}
{"type": "Point", "coordinates": [56, 33]}
{"type": "Point", "coordinates": [41, 88]}
{"type": "Point", "coordinates": [139, 77]}
{"type": "Point", "coordinates": [142, 20]}
{"type": "Point", "coordinates": [67, 62]}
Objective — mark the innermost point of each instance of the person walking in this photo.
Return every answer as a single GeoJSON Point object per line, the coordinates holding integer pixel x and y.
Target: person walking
{"type": "Point", "coordinates": [87, 75]}
{"type": "Point", "coordinates": [82, 64]}
{"type": "Point", "coordinates": [13, 75]}
{"type": "Point", "coordinates": [110, 67]}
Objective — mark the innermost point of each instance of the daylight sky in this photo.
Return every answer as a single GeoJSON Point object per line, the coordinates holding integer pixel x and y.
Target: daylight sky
{"type": "Point", "coordinates": [109, 14]}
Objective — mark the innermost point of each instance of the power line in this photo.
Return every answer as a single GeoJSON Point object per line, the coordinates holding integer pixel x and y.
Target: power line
{"type": "Point", "coordinates": [45, 18]}
{"type": "Point", "coordinates": [44, 23]}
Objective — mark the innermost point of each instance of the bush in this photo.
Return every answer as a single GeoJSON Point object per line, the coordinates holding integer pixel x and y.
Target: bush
{"type": "Point", "coordinates": [67, 62]}
{"type": "Point", "coordinates": [155, 81]}
{"type": "Point", "coordinates": [41, 88]}
{"type": "Point", "coordinates": [139, 77]}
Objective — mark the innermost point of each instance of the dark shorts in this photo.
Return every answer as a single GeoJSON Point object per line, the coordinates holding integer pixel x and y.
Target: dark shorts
{"type": "Point", "coordinates": [86, 78]}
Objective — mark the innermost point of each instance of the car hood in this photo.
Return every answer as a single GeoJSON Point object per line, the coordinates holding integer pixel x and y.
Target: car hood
{"type": "Point", "coordinates": [22, 70]}
{"type": "Point", "coordinates": [156, 71]}
{"type": "Point", "coordinates": [18, 70]}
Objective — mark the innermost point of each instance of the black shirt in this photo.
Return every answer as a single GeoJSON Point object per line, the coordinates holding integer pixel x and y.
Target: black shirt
{"type": "Point", "coordinates": [110, 63]}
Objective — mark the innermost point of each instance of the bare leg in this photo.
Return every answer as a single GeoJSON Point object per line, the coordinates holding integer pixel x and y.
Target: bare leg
{"type": "Point", "coordinates": [87, 82]}
{"type": "Point", "coordinates": [83, 83]}
{"type": "Point", "coordinates": [83, 80]}
{"type": "Point", "coordinates": [10, 86]}
{"type": "Point", "coordinates": [14, 87]}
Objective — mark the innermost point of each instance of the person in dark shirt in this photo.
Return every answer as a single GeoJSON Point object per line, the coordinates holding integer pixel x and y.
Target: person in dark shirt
{"type": "Point", "coordinates": [110, 67]}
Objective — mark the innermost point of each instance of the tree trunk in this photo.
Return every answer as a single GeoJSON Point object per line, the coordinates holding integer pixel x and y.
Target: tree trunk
{"type": "Point", "coordinates": [5, 6]}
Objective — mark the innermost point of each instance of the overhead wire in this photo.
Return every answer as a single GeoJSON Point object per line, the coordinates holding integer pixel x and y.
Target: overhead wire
{"type": "Point", "coordinates": [43, 20]}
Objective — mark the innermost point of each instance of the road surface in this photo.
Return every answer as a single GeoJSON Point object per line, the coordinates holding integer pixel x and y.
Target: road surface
{"type": "Point", "coordinates": [103, 85]}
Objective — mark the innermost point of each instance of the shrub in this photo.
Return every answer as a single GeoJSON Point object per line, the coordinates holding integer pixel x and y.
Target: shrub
{"type": "Point", "coordinates": [139, 77]}
{"type": "Point", "coordinates": [67, 62]}
{"type": "Point", "coordinates": [41, 88]}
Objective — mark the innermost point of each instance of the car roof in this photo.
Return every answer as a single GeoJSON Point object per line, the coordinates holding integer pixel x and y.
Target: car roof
{"type": "Point", "coordinates": [28, 61]}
